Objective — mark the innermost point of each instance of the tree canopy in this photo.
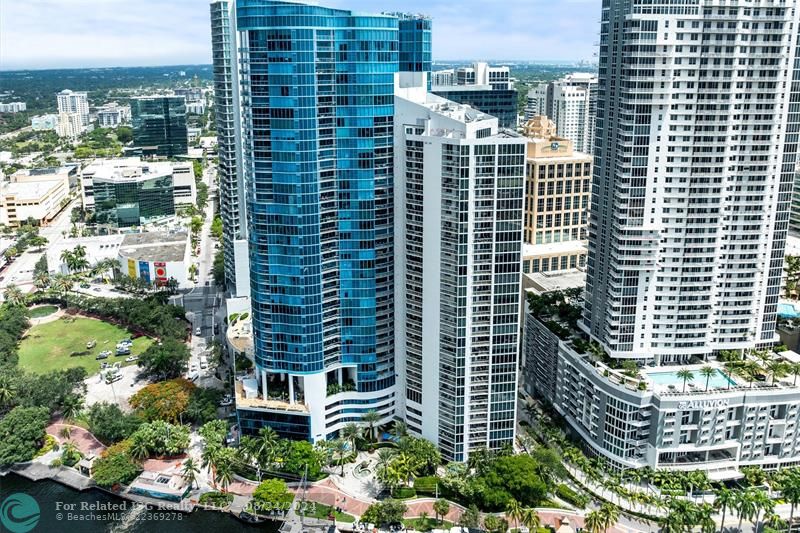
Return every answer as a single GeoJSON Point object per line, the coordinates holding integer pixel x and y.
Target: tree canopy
{"type": "Point", "coordinates": [165, 400]}
{"type": "Point", "coordinates": [22, 433]}
{"type": "Point", "coordinates": [109, 424]}
{"type": "Point", "coordinates": [165, 360]}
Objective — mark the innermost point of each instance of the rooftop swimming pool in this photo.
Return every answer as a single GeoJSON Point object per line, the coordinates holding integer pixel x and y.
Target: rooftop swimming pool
{"type": "Point", "coordinates": [719, 380]}
{"type": "Point", "coordinates": [788, 311]}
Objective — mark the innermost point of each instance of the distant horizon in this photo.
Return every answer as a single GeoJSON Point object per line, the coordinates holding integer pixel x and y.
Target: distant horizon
{"type": "Point", "coordinates": [495, 62]}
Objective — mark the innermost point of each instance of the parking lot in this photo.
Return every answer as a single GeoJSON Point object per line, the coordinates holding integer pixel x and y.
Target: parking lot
{"type": "Point", "coordinates": [97, 390]}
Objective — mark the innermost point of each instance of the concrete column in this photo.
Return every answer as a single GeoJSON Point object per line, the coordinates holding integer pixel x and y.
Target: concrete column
{"type": "Point", "coordinates": [340, 373]}
{"type": "Point", "coordinates": [291, 389]}
{"type": "Point", "coordinates": [264, 385]}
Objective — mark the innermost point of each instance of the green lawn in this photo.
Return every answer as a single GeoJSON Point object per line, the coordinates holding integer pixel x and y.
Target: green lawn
{"type": "Point", "coordinates": [47, 347]}
{"type": "Point", "coordinates": [427, 525]}
{"type": "Point", "coordinates": [42, 311]}
{"type": "Point", "coordinates": [322, 511]}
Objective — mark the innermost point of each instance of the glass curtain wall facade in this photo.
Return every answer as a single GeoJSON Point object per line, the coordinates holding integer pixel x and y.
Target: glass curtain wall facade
{"type": "Point", "coordinates": [159, 125]}
{"type": "Point", "coordinates": [317, 98]}
{"type": "Point", "coordinates": [415, 45]}
{"type": "Point", "coordinates": [132, 203]}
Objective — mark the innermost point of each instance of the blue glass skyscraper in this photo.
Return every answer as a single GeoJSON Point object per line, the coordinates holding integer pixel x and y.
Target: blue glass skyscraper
{"type": "Point", "coordinates": [316, 87]}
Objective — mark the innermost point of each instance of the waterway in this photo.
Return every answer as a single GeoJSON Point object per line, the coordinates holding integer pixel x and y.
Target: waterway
{"type": "Point", "coordinates": [94, 511]}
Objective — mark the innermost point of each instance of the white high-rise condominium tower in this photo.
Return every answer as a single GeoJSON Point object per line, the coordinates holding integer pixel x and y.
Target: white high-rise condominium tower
{"type": "Point", "coordinates": [74, 102]}
{"type": "Point", "coordinates": [693, 176]}
{"type": "Point", "coordinates": [458, 234]}
{"type": "Point", "coordinates": [697, 136]}
{"type": "Point", "coordinates": [570, 102]}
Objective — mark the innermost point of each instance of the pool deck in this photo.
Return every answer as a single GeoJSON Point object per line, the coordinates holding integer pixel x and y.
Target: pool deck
{"type": "Point", "coordinates": [698, 384]}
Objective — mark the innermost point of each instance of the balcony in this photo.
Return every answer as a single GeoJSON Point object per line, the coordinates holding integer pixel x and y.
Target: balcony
{"type": "Point", "coordinates": [245, 399]}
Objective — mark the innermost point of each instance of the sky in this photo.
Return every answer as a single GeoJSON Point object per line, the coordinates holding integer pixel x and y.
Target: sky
{"type": "Point", "coordinates": [94, 33]}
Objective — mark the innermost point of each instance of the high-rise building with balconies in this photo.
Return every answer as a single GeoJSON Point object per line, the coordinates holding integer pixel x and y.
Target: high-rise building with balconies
{"type": "Point", "coordinates": [695, 158]}
{"type": "Point", "coordinates": [316, 103]}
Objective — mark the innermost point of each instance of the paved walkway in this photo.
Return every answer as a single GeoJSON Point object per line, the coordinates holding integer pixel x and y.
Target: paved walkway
{"type": "Point", "coordinates": [83, 440]}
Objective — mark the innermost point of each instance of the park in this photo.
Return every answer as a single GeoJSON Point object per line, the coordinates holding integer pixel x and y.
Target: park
{"type": "Point", "coordinates": [61, 343]}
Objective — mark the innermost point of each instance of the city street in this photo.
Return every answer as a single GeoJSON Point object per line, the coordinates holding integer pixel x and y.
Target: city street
{"type": "Point", "coordinates": [20, 272]}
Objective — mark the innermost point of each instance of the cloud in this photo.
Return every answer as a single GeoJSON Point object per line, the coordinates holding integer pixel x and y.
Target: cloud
{"type": "Point", "coordinates": [75, 33]}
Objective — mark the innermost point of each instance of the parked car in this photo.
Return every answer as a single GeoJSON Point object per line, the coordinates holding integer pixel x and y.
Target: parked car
{"type": "Point", "coordinates": [198, 331]}
{"type": "Point", "coordinates": [131, 359]}
{"type": "Point", "coordinates": [103, 355]}
{"type": "Point", "coordinates": [226, 401]}
{"type": "Point", "coordinates": [85, 285]}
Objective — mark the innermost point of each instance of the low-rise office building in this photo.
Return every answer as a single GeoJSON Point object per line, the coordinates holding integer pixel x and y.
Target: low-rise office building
{"type": "Point", "coordinates": [40, 200]}
{"type": "Point", "coordinates": [112, 115]}
{"type": "Point", "coordinates": [13, 107]}
{"type": "Point", "coordinates": [155, 257]}
{"type": "Point", "coordinates": [131, 192]}
{"type": "Point", "coordinates": [47, 122]}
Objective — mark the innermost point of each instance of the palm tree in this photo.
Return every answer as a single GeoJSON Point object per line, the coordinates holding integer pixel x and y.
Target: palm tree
{"type": "Point", "coordinates": [530, 519]}
{"type": "Point", "coordinates": [707, 372]}
{"type": "Point", "coordinates": [422, 521]}
{"type": "Point", "coordinates": [371, 418]}
{"type": "Point", "coordinates": [594, 522]}
{"type": "Point", "coordinates": [441, 507]}
{"type": "Point", "coordinates": [776, 369]}
{"type": "Point", "coordinates": [341, 453]}
{"type": "Point", "coordinates": [224, 475]}
{"type": "Point", "coordinates": [209, 459]}
{"type": "Point", "coordinates": [65, 432]}
{"type": "Point", "coordinates": [192, 271]}
{"type": "Point", "coordinates": [610, 514]}
{"type": "Point", "coordinates": [8, 391]}
{"type": "Point", "coordinates": [139, 450]}
{"type": "Point", "coordinates": [745, 506]}
{"type": "Point", "coordinates": [385, 456]}
{"type": "Point", "coordinates": [731, 368]}
{"type": "Point", "coordinates": [399, 430]}
{"type": "Point", "coordinates": [685, 375]}
{"type": "Point", "coordinates": [189, 471]}
{"type": "Point", "coordinates": [705, 518]}
{"type": "Point", "coordinates": [72, 406]}
{"type": "Point", "coordinates": [79, 251]}
{"type": "Point", "coordinates": [268, 440]}
{"type": "Point", "coordinates": [68, 258]}
{"type": "Point", "coordinates": [791, 491]}
{"type": "Point", "coordinates": [763, 503]}
{"type": "Point", "coordinates": [794, 369]}
{"type": "Point", "coordinates": [514, 511]}
{"type": "Point", "coordinates": [41, 280]}
{"type": "Point", "coordinates": [351, 433]}
{"type": "Point", "coordinates": [61, 284]}
{"type": "Point", "coordinates": [724, 500]}
{"type": "Point", "coordinates": [14, 296]}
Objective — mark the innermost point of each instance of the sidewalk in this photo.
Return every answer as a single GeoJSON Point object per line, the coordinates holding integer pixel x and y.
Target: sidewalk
{"type": "Point", "coordinates": [85, 441]}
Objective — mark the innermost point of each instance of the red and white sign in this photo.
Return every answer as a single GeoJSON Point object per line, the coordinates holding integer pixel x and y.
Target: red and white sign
{"type": "Point", "coordinates": [161, 270]}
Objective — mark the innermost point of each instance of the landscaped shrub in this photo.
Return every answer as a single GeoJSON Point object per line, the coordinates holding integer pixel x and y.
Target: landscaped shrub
{"type": "Point", "coordinates": [426, 484]}
{"type": "Point", "coordinates": [403, 493]}
{"type": "Point", "coordinates": [216, 499]}
{"type": "Point", "coordinates": [570, 496]}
